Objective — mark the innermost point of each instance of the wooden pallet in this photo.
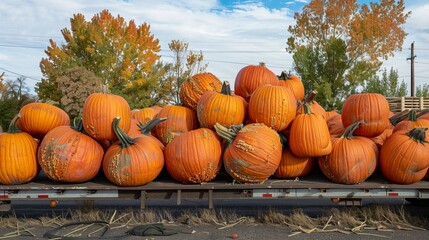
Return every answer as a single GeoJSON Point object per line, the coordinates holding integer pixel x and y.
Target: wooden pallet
{"type": "Point", "coordinates": [398, 104]}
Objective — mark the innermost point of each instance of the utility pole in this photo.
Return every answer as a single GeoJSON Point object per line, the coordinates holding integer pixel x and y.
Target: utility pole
{"type": "Point", "coordinates": [412, 68]}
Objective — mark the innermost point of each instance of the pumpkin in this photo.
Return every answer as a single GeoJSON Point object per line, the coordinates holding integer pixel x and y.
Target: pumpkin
{"type": "Point", "coordinates": [98, 113]}
{"type": "Point", "coordinates": [194, 87]}
{"type": "Point", "coordinates": [380, 139]}
{"type": "Point", "coordinates": [404, 156]}
{"type": "Point", "coordinates": [315, 107]}
{"type": "Point", "coordinates": [352, 159]}
{"type": "Point", "coordinates": [275, 106]}
{"type": "Point", "coordinates": [17, 156]}
{"type": "Point", "coordinates": [180, 119]}
{"type": "Point", "coordinates": [132, 161]}
{"type": "Point", "coordinates": [194, 156]}
{"type": "Point", "coordinates": [292, 166]}
{"type": "Point", "coordinates": [372, 108]}
{"type": "Point", "coordinates": [292, 82]}
{"type": "Point", "coordinates": [329, 114]}
{"type": "Point", "coordinates": [251, 77]}
{"type": "Point", "coordinates": [411, 123]}
{"type": "Point", "coordinates": [224, 108]}
{"type": "Point", "coordinates": [66, 154]}
{"type": "Point", "coordinates": [253, 153]}
{"type": "Point", "coordinates": [145, 115]}
{"type": "Point", "coordinates": [335, 125]}
{"type": "Point", "coordinates": [38, 118]}
{"type": "Point", "coordinates": [309, 135]}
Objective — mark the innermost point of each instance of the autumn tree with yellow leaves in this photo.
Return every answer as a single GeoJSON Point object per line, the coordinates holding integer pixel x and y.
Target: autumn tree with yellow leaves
{"type": "Point", "coordinates": [120, 53]}
{"type": "Point", "coordinates": [338, 44]}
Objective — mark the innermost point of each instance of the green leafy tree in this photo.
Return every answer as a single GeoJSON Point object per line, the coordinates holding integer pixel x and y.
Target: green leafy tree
{"type": "Point", "coordinates": [388, 85]}
{"type": "Point", "coordinates": [120, 53]}
{"type": "Point", "coordinates": [14, 94]}
{"type": "Point", "coordinates": [345, 42]}
{"type": "Point", "coordinates": [422, 90]}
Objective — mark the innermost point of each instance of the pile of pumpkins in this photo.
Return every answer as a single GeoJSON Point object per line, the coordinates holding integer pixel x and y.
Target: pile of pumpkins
{"type": "Point", "coordinates": [265, 128]}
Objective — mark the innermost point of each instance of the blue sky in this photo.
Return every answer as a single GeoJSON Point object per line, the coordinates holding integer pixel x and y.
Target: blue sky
{"type": "Point", "coordinates": [231, 34]}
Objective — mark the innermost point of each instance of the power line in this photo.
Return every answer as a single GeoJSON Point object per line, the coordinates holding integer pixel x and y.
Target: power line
{"type": "Point", "coordinates": [9, 71]}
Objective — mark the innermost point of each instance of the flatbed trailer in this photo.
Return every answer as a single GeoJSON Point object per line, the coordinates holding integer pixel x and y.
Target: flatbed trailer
{"type": "Point", "coordinates": [314, 186]}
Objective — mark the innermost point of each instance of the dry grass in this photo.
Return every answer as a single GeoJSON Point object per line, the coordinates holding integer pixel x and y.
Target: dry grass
{"type": "Point", "coordinates": [345, 220]}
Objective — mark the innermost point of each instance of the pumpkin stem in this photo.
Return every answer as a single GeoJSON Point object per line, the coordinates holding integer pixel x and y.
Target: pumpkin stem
{"type": "Point", "coordinates": [79, 126]}
{"type": "Point", "coordinates": [348, 133]}
{"type": "Point", "coordinates": [307, 108]}
{"type": "Point", "coordinates": [262, 64]}
{"type": "Point", "coordinates": [284, 75]}
{"type": "Point", "coordinates": [395, 119]}
{"type": "Point", "coordinates": [423, 112]}
{"type": "Point", "coordinates": [146, 128]}
{"type": "Point", "coordinates": [228, 134]}
{"type": "Point", "coordinates": [226, 88]}
{"type": "Point", "coordinates": [310, 97]}
{"type": "Point", "coordinates": [418, 134]}
{"type": "Point", "coordinates": [12, 126]}
{"type": "Point", "coordinates": [125, 140]}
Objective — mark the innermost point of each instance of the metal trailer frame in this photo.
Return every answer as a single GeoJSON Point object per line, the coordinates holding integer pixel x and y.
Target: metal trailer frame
{"type": "Point", "coordinates": [315, 186]}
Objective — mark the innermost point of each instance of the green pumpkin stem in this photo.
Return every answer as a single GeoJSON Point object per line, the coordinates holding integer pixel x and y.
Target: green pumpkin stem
{"type": "Point", "coordinates": [348, 133]}
{"type": "Point", "coordinates": [79, 126]}
{"type": "Point", "coordinates": [423, 112]}
{"type": "Point", "coordinates": [146, 128]}
{"type": "Point", "coordinates": [228, 134]}
{"type": "Point", "coordinates": [418, 134]}
{"type": "Point", "coordinates": [12, 126]}
{"type": "Point", "coordinates": [125, 140]}
{"type": "Point", "coordinates": [226, 88]}
{"type": "Point", "coordinates": [307, 108]}
{"type": "Point", "coordinates": [398, 117]}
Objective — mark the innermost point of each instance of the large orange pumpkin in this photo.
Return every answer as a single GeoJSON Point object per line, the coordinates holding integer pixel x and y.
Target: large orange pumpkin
{"type": "Point", "coordinates": [194, 87]}
{"type": "Point", "coordinates": [99, 110]}
{"type": "Point", "coordinates": [309, 135]}
{"type": "Point", "coordinates": [314, 106]}
{"type": "Point", "coordinates": [66, 154]}
{"type": "Point", "coordinates": [145, 115]}
{"type": "Point", "coordinates": [18, 162]}
{"type": "Point", "coordinates": [372, 108]}
{"type": "Point", "coordinates": [37, 119]}
{"type": "Point", "coordinates": [294, 83]}
{"type": "Point", "coordinates": [144, 130]}
{"type": "Point", "coordinates": [275, 106]}
{"type": "Point", "coordinates": [335, 125]}
{"type": "Point", "coordinates": [132, 161]}
{"type": "Point", "coordinates": [251, 77]}
{"type": "Point", "coordinates": [253, 154]}
{"type": "Point", "coordinates": [194, 156]}
{"type": "Point", "coordinates": [404, 156]}
{"type": "Point", "coordinates": [411, 122]}
{"type": "Point", "coordinates": [352, 159]}
{"type": "Point", "coordinates": [180, 119]}
{"type": "Point", "coordinates": [292, 166]}
{"type": "Point", "coordinates": [224, 108]}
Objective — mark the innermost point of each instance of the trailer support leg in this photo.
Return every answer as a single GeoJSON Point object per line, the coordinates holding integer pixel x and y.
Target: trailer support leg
{"type": "Point", "coordinates": [179, 197]}
{"type": "Point", "coordinates": [210, 199]}
{"type": "Point", "coordinates": [143, 200]}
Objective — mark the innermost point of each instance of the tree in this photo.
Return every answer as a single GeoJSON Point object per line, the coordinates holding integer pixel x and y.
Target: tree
{"type": "Point", "coordinates": [119, 53]}
{"type": "Point", "coordinates": [76, 85]}
{"type": "Point", "coordinates": [185, 64]}
{"type": "Point", "coordinates": [13, 96]}
{"type": "Point", "coordinates": [347, 43]}
{"type": "Point", "coordinates": [422, 90]}
{"type": "Point", "coordinates": [388, 85]}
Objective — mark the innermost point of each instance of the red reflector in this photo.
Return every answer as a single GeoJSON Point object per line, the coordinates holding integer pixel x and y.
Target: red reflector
{"type": "Point", "coordinates": [393, 194]}
{"type": "Point", "coordinates": [4, 196]}
{"type": "Point", "coordinates": [42, 196]}
{"type": "Point", "coordinates": [267, 195]}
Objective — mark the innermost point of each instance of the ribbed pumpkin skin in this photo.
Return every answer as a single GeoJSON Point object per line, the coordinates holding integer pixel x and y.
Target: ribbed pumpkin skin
{"type": "Point", "coordinates": [214, 107]}
{"type": "Point", "coordinates": [250, 78]}
{"type": "Point", "coordinates": [275, 106]}
{"type": "Point", "coordinates": [292, 166]}
{"type": "Point", "coordinates": [373, 108]}
{"type": "Point", "coordinates": [145, 115]}
{"type": "Point", "coordinates": [309, 136]}
{"type": "Point", "coordinates": [37, 119]}
{"type": "Point", "coordinates": [194, 156]}
{"type": "Point", "coordinates": [408, 125]}
{"type": "Point", "coordinates": [351, 161]}
{"type": "Point", "coordinates": [99, 110]}
{"type": "Point", "coordinates": [404, 160]}
{"type": "Point", "coordinates": [380, 139]}
{"type": "Point", "coordinates": [295, 84]}
{"type": "Point", "coordinates": [315, 108]}
{"type": "Point", "coordinates": [67, 155]}
{"type": "Point", "coordinates": [335, 125]}
{"type": "Point", "coordinates": [193, 88]}
{"type": "Point", "coordinates": [180, 119]}
{"type": "Point", "coordinates": [135, 165]}
{"type": "Point", "coordinates": [254, 155]}
{"type": "Point", "coordinates": [18, 162]}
